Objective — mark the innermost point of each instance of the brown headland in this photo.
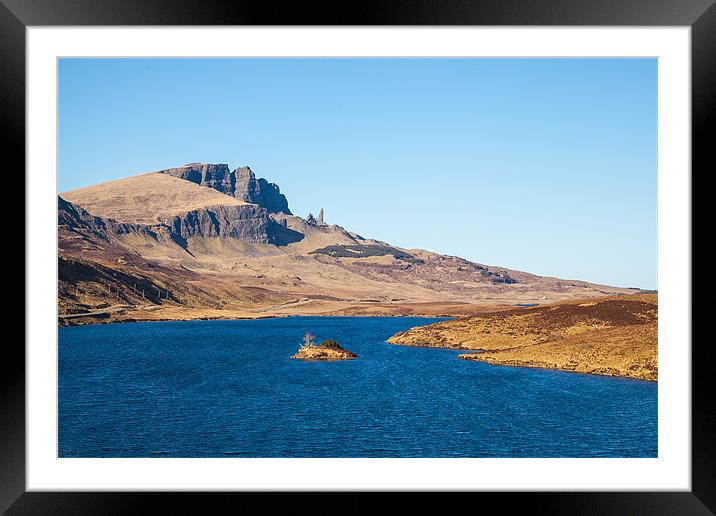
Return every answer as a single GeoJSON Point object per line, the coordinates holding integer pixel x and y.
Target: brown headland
{"type": "Point", "coordinates": [615, 336]}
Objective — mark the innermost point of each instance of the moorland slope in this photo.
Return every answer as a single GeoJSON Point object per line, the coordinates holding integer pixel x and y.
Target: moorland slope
{"type": "Point", "coordinates": [207, 242]}
{"type": "Point", "coordinates": [615, 336]}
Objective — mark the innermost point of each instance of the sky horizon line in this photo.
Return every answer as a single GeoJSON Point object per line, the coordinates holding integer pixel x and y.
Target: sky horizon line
{"type": "Point", "coordinates": [232, 168]}
{"type": "Point", "coordinates": [545, 166]}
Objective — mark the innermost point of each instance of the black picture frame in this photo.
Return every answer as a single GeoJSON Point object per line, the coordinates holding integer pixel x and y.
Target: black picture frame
{"type": "Point", "coordinates": [16, 15]}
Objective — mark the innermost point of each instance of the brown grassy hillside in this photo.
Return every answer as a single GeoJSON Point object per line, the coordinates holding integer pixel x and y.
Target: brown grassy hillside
{"type": "Point", "coordinates": [219, 256]}
{"type": "Point", "coordinates": [614, 335]}
{"type": "Point", "coordinates": [147, 198]}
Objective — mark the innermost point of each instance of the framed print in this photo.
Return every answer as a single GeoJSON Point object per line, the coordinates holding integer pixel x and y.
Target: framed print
{"type": "Point", "coordinates": [426, 248]}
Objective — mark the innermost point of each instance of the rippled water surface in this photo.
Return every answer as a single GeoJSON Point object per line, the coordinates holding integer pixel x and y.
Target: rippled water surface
{"type": "Point", "coordinates": [229, 388]}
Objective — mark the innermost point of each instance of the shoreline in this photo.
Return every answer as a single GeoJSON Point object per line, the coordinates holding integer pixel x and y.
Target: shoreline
{"type": "Point", "coordinates": [546, 368]}
{"type": "Point", "coordinates": [471, 352]}
{"type": "Point", "coordinates": [613, 336]}
{"type": "Point", "coordinates": [101, 321]}
{"type": "Point", "coordinates": [115, 315]}
{"type": "Point", "coordinates": [474, 352]}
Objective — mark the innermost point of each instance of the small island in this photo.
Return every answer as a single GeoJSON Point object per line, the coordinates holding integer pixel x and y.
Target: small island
{"type": "Point", "coordinates": [326, 350]}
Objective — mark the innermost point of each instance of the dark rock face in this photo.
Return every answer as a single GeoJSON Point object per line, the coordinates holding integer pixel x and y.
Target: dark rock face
{"type": "Point", "coordinates": [259, 191]}
{"type": "Point", "coordinates": [283, 235]}
{"type": "Point", "coordinates": [217, 177]}
{"type": "Point", "coordinates": [240, 183]}
{"type": "Point", "coordinates": [74, 217]}
{"type": "Point", "coordinates": [77, 219]}
{"type": "Point", "coordinates": [249, 223]}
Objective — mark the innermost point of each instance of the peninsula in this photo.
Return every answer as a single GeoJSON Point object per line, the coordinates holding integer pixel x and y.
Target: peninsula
{"type": "Point", "coordinates": [615, 336]}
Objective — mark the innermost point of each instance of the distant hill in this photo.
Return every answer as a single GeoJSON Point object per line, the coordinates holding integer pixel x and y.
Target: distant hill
{"type": "Point", "coordinates": [224, 243]}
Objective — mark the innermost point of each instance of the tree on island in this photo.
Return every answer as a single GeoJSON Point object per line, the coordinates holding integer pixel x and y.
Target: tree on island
{"type": "Point", "coordinates": [309, 339]}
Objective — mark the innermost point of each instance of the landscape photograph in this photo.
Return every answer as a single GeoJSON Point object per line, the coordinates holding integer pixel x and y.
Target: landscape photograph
{"type": "Point", "coordinates": [357, 257]}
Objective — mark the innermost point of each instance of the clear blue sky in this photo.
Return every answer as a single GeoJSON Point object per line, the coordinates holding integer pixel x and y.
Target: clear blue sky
{"type": "Point", "coordinates": [542, 165]}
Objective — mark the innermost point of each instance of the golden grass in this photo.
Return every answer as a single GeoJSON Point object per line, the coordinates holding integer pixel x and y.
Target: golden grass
{"type": "Point", "coordinates": [318, 352]}
{"type": "Point", "coordinates": [615, 335]}
{"type": "Point", "coordinates": [629, 351]}
{"type": "Point", "coordinates": [147, 198]}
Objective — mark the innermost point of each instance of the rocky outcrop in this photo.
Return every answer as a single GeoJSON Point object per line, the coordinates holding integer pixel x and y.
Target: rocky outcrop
{"type": "Point", "coordinates": [213, 176]}
{"type": "Point", "coordinates": [74, 218]}
{"type": "Point", "coordinates": [248, 223]}
{"type": "Point", "coordinates": [313, 221]}
{"type": "Point", "coordinates": [240, 183]}
{"type": "Point", "coordinates": [326, 350]}
{"type": "Point", "coordinates": [259, 191]}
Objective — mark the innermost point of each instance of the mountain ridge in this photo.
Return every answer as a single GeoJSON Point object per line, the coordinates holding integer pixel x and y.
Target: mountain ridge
{"type": "Point", "coordinates": [235, 233]}
{"type": "Point", "coordinates": [240, 183]}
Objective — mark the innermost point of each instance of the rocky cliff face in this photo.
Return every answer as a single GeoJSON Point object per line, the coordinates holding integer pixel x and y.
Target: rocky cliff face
{"type": "Point", "coordinates": [71, 216]}
{"type": "Point", "coordinates": [259, 191]}
{"type": "Point", "coordinates": [240, 183]}
{"type": "Point", "coordinates": [74, 218]}
{"type": "Point", "coordinates": [248, 223]}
